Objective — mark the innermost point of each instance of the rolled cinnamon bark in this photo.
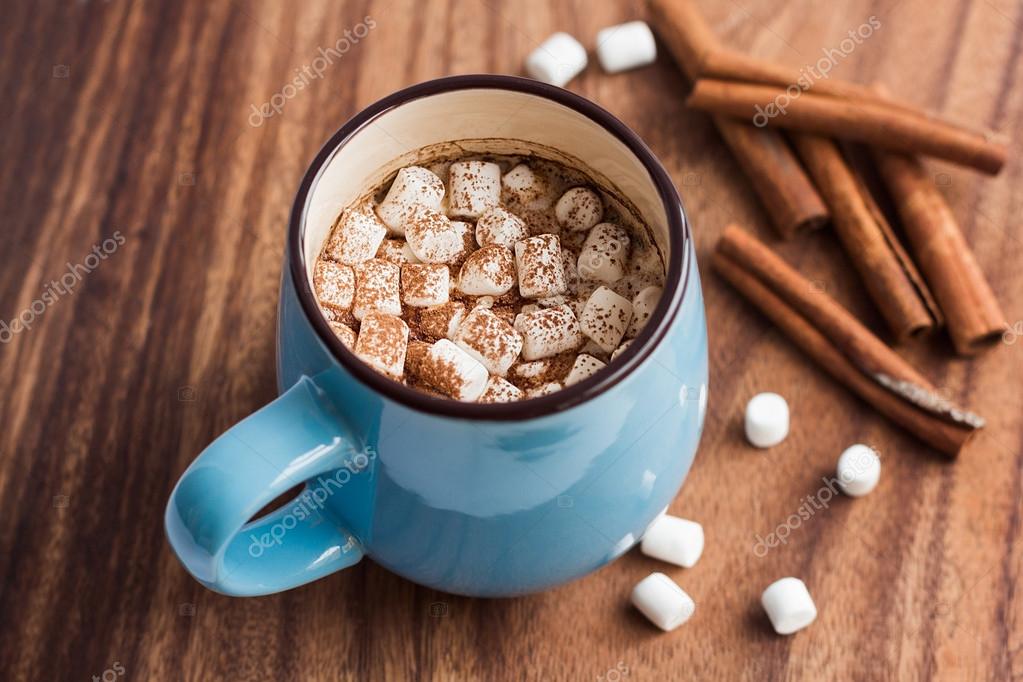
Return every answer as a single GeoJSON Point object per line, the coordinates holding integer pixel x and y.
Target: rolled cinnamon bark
{"type": "Point", "coordinates": [974, 318]}
{"type": "Point", "coordinates": [888, 274]}
{"type": "Point", "coordinates": [847, 350]}
{"type": "Point", "coordinates": [860, 120]}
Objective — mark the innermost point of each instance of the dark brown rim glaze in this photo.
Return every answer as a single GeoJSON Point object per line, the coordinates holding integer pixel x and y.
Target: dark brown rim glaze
{"type": "Point", "coordinates": [676, 282]}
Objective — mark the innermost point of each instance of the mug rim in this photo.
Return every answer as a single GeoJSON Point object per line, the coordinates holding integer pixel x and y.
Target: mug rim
{"type": "Point", "coordinates": [677, 274]}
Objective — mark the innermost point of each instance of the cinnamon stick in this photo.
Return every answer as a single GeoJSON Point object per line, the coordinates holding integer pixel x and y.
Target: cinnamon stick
{"type": "Point", "coordinates": [863, 120]}
{"type": "Point", "coordinates": [843, 347]}
{"type": "Point", "coordinates": [973, 316]}
{"type": "Point", "coordinates": [888, 274]}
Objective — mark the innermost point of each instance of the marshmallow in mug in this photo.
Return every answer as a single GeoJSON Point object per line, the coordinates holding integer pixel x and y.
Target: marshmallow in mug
{"type": "Point", "coordinates": [548, 332]}
{"type": "Point", "coordinates": [442, 321]}
{"type": "Point", "coordinates": [580, 208]}
{"type": "Point", "coordinates": [359, 235]}
{"type": "Point", "coordinates": [334, 284]}
{"type": "Point", "coordinates": [584, 367]}
{"type": "Point", "coordinates": [538, 261]}
{"type": "Point", "coordinates": [382, 343]}
{"type": "Point", "coordinates": [448, 368]}
{"type": "Point", "coordinates": [424, 284]}
{"type": "Point", "coordinates": [490, 271]}
{"type": "Point", "coordinates": [526, 189]}
{"type": "Point", "coordinates": [604, 253]}
{"type": "Point", "coordinates": [605, 318]}
{"type": "Point", "coordinates": [490, 340]}
{"type": "Point", "coordinates": [500, 390]}
{"type": "Point", "coordinates": [500, 226]}
{"type": "Point", "coordinates": [377, 288]}
{"type": "Point", "coordinates": [413, 188]}
{"type": "Point", "coordinates": [432, 237]}
{"type": "Point", "coordinates": [475, 187]}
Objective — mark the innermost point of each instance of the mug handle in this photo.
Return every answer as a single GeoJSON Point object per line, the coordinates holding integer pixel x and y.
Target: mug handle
{"type": "Point", "coordinates": [289, 441]}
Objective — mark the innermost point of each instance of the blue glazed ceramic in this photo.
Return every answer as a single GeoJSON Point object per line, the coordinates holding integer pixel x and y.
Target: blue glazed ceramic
{"type": "Point", "coordinates": [486, 500]}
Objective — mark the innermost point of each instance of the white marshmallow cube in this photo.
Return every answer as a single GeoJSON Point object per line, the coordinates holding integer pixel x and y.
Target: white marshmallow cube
{"type": "Point", "coordinates": [525, 188]}
{"type": "Point", "coordinates": [449, 369]}
{"type": "Point", "coordinates": [345, 333]}
{"type": "Point", "coordinates": [584, 367]}
{"type": "Point", "coordinates": [643, 305]}
{"type": "Point", "coordinates": [788, 605]}
{"type": "Point", "coordinates": [490, 271]}
{"type": "Point", "coordinates": [413, 188]}
{"type": "Point", "coordinates": [538, 261]}
{"type": "Point", "coordinates": [500, 390]}
{"type": "Point", "coordinates": [501, 227]}
{"type": "Point", "coordinates": [432, 237]}
{"type": "Point", "coordinates": [626, 46]}
{"type": "Point", "coordinates": [377, 288]}
{"type": "Point", "coordinates": [490, 340]}
{"type": "Point", "coordinates": [475, 187]}
{"type": "Point", "coordinates": [662, 601]}
{"type": "Point", "coordinates": [558, 60]}
{"type": "Point", "coordinates": [442, 321]}
{"type": "Point", "coordinates": [424, 284]}
{"type": "Point", "coordinates": [546, 389]}
{"type": "Point", "coordinates": [859, 469]}
{"type": "Point", "coordinates": [357, 235]}
{"type": "Point", "coordinates": [677, 541]}
{"type": "Point", "coordinates": [530, 370]}
{"type": "Point", "coordinates": [397, 251]}
{"type": "Point", "coordinates": [548, 332]}
{"type": "Point", "coordinates": [605, 318]}
{"type": "Point", "coordinates": [605, 253]}
{"type": "Point", "coordinates": [382, 342]}
{"type": "Point", "coordinates": [620, 349]}
{"type": "Point", "coordinates": [767, 420]}
{"type": "Point", "coordinates": [334, 284]}
{"type": "Point", "coordinates": [580, 208]}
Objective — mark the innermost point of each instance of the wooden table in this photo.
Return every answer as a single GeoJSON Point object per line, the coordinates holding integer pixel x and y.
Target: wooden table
{"type": "Point", "coordinates": [131, 122]}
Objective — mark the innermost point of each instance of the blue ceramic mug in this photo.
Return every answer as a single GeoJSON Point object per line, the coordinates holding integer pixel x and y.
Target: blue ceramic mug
{"type": "Point", "coordinates": [472, 499]}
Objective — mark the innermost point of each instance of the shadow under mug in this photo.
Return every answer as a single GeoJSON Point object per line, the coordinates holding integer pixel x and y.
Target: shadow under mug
{"type": "Point", "coordinates": [486, 500]}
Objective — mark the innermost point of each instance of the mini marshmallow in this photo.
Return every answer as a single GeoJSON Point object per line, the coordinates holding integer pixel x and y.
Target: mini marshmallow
{"type": "Point", "coordinates": [625, 46]}
{"type": "Point", "coordinates": [500, 390]}
{"type": "Point", "coordinates": [643, 305]}
{"type": "Point", "coordinates": [621, 349]}
{"type": "Point", "coordinates": [397, 251]}
{"type": "Point", "coordinates": [530, 370]}
{"type": "Point", "coordinates": [345, 333]}
{"type": "Point", "coordinates": [605, 318]}
{"type": "Point", "coordinates": [859, 469]}
{"type": "Point", "coordinates": [548, 332]}
{"type": "Point", "coordinates": [538, 261]}
{"type": "Point", "coordinates": [376, 288]}
{"type": "Point", "coordinates": [489, 271]}
{"type": "Point", "coordinates": [604, 253]}
{"type": "Point", "coordinates": [789, 605]}
{"type": "Point", "coordinates": [662, 601]}
{"type": "Point", "coordinates": [677, 541]}
{"type": "Point", "coordinates": [424, 284]}
{"type": "Point", "coordinates": [357, 235]}
{"type": "Point", "coordinates": [767, 420]}
{"type": "Point", "coordinates": [334, 285]}
{"type": "Point", "coordinates": [382, 342]}
{"type": "Point", "coordinates": [413, 188]}
{"type": "Point", "coordinates": [490, 340]}
{"type": "Point", "coordinates": [475, 187]}
{"type": "Point", "coordinates": [584, 367]}
{"type": "Point", "coordinates": [545, 389]}
{"type": "Point", "coordinates": [442, 321]}
{"type": "Point", "coordinates": [580, 208]}
{"type": "Point", "coordinates": [525, 188]}
{"type": "Point", "coordinates": [501, 227]}
{"type": "Point", "coordinates": [591, 348]}
{"type": "Point", "coordinates": [448, 368]}
{"type": "Point", "coordinates": [432, 237]}
{"type": "Point", "coordinates": [558, 60]}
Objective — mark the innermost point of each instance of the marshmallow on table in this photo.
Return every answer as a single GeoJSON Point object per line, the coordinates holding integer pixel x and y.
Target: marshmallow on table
{"type": "Point", "coordinates": [677, 541]}
{"type": "Point", "coordinates": [662, 601]}
{"type": "Point", "coordinates": [413, 188]}
{"type": "Point", "coordinates": [605, 318]}
{"type": "Point", "coordinates": [424, 284]}
{"type": "Point", "coordinates": [500, 226]}
{"type": "Point", "coordinates": [538, 261]}
{"type": "Point", "coordinates": [525, 188]}
{"type": "Point", "coordinates": [643, 305]}
{"type": "Point", "coordinates": [548, 332]}
{"type": "Point", "coordinates": [767, 420]}
{"type": "Point", "coordinates": [475, 187]}
{"type": "Point", "coordinates": [448, 368]}
{"type": "Point", "coordinates": [490, 271]}
{"type": "Point", "coordinates": [859, 469]}
{"type": "Point", "coordinates": [604, 253]}
{"type": "Point", "coordinates": [490, 340]}
{"type": "Point", "coordinates": [788, 605]}
{"type": "Point", "coordinates": [584, 367]}
{"type": "Point", "coordinates": [558, 60]}
{"type": "Point", "coordinates": [334, 285]}
{"type": "Point", "coordinates": [625, 46]}
{"type": "Point", "coordinates": [376, 288]}
{"type": "Point", "coordinates": [442, 321]}
{"type": "Point", "coordinates": [580, 208]}
{"type": "Point", "coordinates": [345, 333]}
{"type": "Point", "coordinates": [396, 251]}
{"type": "Point", "coordinates": [500, 390]}
{"type": "Point", "coordinates": [357, 235]}
{"type": "Point", "coordinates": [382, 342]}
{"type": "Point", "coordinates": [432, 237]}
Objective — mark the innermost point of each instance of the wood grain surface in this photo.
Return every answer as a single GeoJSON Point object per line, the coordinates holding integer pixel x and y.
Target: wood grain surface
{"type": "Point", "coordinates": [130, 155]}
